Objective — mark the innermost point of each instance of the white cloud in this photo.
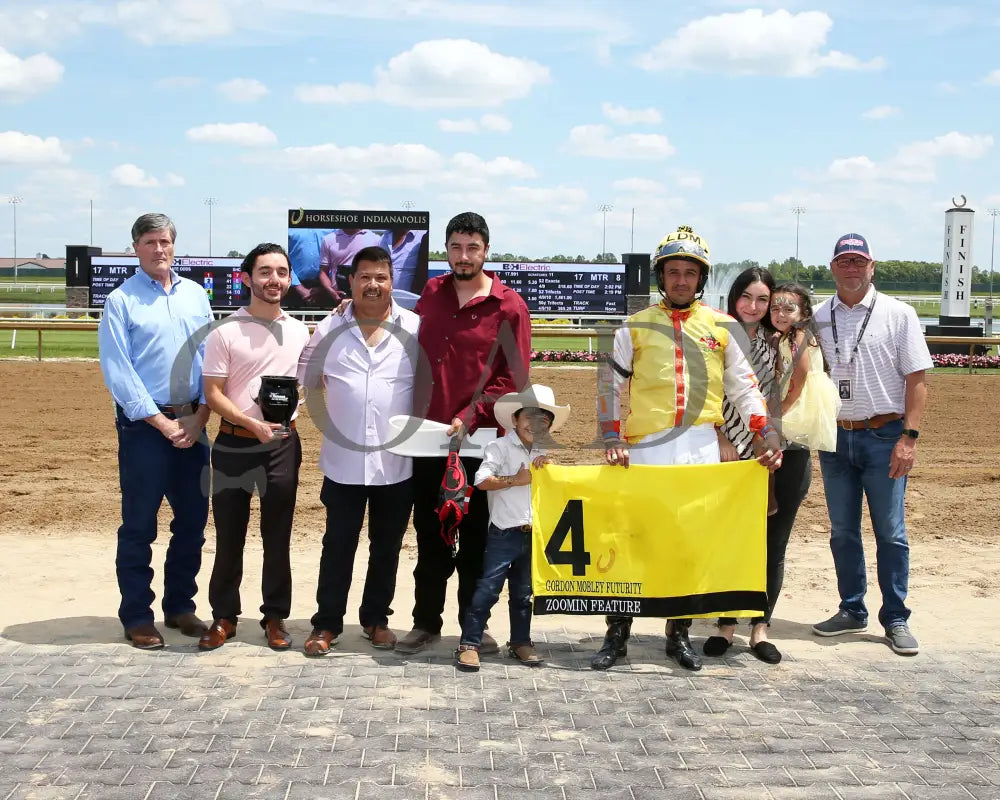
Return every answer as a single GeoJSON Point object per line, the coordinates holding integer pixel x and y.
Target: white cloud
{"type": "Point", "coordinates": [25, 148]}
{"type": "Point", "coordinates": [689, 180]}
{"type": "Point", "coordinates": [993, 79]}
{"type": "Point", "coordinates": [178, 82]}
{"type": "Point", "coordinates": [638, 186]}
{"type": "Point", "coordinates": [245, 134]}
{"type": "Point", "coordinates": [496, 123]}
{"type": "Point", "coordinates": [458, 125]}
{"type": "Point", "coordinates": [754, 43]}
{"type": "Point", "coordinates": [882, 112]}
{"type": "Point", "coordinates": [33, 25]}
{"type": "Point", "coordinates": [912, 163]}
{"type": "Point", "coordinates": [173, 179]}
{"type": "Point", "coordinates": [854, 168]}
{"type": "Point", "coordinates": [501, 167]}
{"type": "Point", "coordinates": [242, 90]}
{"type": "Point", "coordinates": [134, 177]}
{"type": "Point", "coordinates": [154, 22]}
{"type": "Point", "coordinates": [948, 87]}
{"type": "Point", "coordinates": [631, 116]}
{"type": "Point", "coordinates": [598, 141]}
{"type": "Point", "coordinates": [440, 73]}
{"type": "Point", "coordinates": [396, 157]}
{"type": "Point", "coordinates": [22, 77]}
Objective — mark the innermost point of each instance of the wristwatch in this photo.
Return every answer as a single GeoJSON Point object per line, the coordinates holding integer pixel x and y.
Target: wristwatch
{"type": "Point", "coordinates": [911, 432]}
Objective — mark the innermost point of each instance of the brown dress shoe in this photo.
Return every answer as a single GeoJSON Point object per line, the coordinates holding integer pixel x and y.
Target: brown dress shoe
{"type": "Point", "coordinates": [276, 633]}
{"type": "Point", "coordinates": [525, 653]}
{"type": "Point", "coordinates": [415, 641]}
{"type": "Point", "coordinates": [188, 624]}
{"type": "Point", "coordinates": [221, 631]}
{"type": "Point", "coordinates": [381, 637]}
{"type": "Point", "coordinates": [145, 637]}
{"type": "Point", "coordinates": [319, 643]}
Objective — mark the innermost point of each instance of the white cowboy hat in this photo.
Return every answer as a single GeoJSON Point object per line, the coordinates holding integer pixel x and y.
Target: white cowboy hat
{"type": "Point", "coordinates": [426, 438]}
{"type": "Point", "coordinates": [533, 396]}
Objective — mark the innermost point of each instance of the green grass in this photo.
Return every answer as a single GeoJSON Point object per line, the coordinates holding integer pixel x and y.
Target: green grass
{"type": "Point", "coordinates": [28, 278]}
{"type": "Point", "coordinates": [83, 344]}
{"type": "Point", "coordinates": [22, 297]}
{"type": "Point", "coordinates": [55, 344]}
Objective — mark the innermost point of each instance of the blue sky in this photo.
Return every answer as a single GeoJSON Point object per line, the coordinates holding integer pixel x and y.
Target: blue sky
{"type": "Point", "coordinates": [721, 115]}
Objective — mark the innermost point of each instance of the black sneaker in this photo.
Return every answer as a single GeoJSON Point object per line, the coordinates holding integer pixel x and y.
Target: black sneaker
{"type": "Point", "coordinates": [840, 623]}
{"type": "Point", "coordinates": [901, 640]}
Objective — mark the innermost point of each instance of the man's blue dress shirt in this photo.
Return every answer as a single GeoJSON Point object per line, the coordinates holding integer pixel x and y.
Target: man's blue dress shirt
{"type": "Point", "coordinates": [143, 332]}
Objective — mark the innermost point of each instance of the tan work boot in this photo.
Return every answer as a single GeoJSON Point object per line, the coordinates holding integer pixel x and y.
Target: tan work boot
{"type": "Point", "coordinates": [525, 653]}
{"type": "Point", "coordinates": [467, 658]}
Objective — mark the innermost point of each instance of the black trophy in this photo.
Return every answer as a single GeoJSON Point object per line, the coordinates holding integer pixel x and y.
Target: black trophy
{"type": "Point", "coordinates": [278, 398]}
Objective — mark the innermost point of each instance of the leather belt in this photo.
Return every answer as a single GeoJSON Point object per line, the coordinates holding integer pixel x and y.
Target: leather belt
{"type": "Point", "coordinates": [182, 410]}
{"type": "Point", "coordinates": [870, 424]}
{"type": "Point", "coordinates": [525, 528]}
{"type": "Point", "coordinates": [238, 430]}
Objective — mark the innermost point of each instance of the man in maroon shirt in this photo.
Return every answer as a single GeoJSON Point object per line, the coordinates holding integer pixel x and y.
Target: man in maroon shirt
{"type": "Point", "coordinates": [465, 318]}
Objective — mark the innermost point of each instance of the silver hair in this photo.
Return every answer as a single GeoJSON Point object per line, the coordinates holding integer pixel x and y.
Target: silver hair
{"type": "Point", "coordinates": [153, 222]}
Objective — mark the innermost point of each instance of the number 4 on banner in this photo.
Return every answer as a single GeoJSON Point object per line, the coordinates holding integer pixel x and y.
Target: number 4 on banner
{"type": "Point", "coordinates": [571, 522]}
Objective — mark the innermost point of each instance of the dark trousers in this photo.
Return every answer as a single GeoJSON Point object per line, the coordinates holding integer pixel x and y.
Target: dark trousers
{"type": "Point", "coordinates": [507, 558]}
{"type": "Point", "coordinates": [388, 512]}
{"type": "Point", "coordinates": [791, 485]}
{"type": "Point", "coordinates": [240, 466]}
{"type": "Point", "coordinates": [435, 564]}
{"type": "Point", "coordinates": [151, 468]}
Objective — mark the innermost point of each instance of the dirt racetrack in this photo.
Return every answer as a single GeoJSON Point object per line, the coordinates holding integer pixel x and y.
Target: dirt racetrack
{"type": "Point", "coordinates": [59, 478]}
{"type": "Point", "coordinates": [59, 470]}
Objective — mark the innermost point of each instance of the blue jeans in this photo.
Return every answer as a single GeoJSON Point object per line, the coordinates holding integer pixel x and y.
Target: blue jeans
{"type": "Point", "coordinates": [861, 466]}
{"type": "Point", "coordinates": [508, 556]}
{"type": "Point", "coordinates": [151, 468]}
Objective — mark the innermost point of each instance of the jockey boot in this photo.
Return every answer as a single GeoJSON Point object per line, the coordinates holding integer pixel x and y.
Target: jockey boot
{"type": "Point", "coordinates": [613, 647]}
{"type": "Point", "coordinates": [679, 646]}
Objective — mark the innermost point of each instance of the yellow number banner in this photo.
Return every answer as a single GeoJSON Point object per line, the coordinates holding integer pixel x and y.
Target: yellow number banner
{"type": "Point", "coordinates": [679, 541]}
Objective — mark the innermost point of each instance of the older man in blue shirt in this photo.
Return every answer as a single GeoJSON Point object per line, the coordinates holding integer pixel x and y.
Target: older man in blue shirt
{"type": "Point", "coordinates": [151, 355]}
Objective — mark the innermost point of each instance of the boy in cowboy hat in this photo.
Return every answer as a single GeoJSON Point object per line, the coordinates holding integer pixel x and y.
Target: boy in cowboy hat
{"type": "Point", "coordinates": [528, 416]}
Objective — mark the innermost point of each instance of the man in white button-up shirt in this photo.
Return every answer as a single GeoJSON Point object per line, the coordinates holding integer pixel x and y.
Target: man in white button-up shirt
{"type": "Point", "coordinates": [878, 357]}
{"type": "Point", "coordinates": [366, 361]}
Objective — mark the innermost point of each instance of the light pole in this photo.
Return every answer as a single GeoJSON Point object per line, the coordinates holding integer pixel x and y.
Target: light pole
{"type": "Point", "coordinates": [993, 243]}
{"type": "Point", "coordinates": [14, 201]}
{"type": "Point", "coordinates": [210, 201]}
{"type": "Point", "coordinates": [798, 211]}
{"type": "Point", "coordinates": [604, 208]}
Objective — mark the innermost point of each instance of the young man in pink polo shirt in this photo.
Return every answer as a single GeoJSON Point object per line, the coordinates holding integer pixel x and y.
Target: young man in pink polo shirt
{"type": "Point", "coordinates": [252, 454]}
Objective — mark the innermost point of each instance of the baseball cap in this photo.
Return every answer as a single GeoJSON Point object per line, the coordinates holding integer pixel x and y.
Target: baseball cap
{"type": "Point", "coordinates": [852, 243]}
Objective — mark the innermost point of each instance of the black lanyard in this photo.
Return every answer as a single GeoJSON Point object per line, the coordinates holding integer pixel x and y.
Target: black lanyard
{"type": "Point", "coordinates": [861, 331]}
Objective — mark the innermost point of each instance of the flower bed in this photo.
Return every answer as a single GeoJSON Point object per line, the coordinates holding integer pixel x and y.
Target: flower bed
{"type": "Point", "coordinates": [956, 360]}
{"type": "Point", "coordinates": [583, 357]}
{"type": "Point", "coordinates": [567, 356]}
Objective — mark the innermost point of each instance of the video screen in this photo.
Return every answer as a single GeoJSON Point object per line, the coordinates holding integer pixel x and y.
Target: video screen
{"type": "Point", "coordinates": [322, 246]}
{"type": "Point", "coordinates": [222, 278]}
{"type": "Point", "coordinates": [555, 287]}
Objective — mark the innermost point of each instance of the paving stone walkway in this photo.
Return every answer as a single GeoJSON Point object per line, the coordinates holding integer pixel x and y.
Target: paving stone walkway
{"type": "Point", "coordinates": [105, 721]}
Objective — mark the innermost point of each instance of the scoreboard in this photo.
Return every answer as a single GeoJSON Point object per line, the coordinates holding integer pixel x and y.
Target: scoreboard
{"type": "Point", "coordinates": [220, 277]}
{"type": "Point", "coordinates": [552, 287]}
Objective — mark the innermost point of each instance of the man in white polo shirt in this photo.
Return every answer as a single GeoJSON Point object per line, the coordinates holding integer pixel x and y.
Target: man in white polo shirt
{"type": "Point", "coordinates": [366, 359]}
{"type": "Point", "coordinates": [248, 453]}
{"type": "Point", "coordinates": [878, 357]}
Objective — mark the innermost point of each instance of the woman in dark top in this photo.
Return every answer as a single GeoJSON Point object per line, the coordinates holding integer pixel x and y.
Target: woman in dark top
{"type": "Point", "coordinates": [749, 302]}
